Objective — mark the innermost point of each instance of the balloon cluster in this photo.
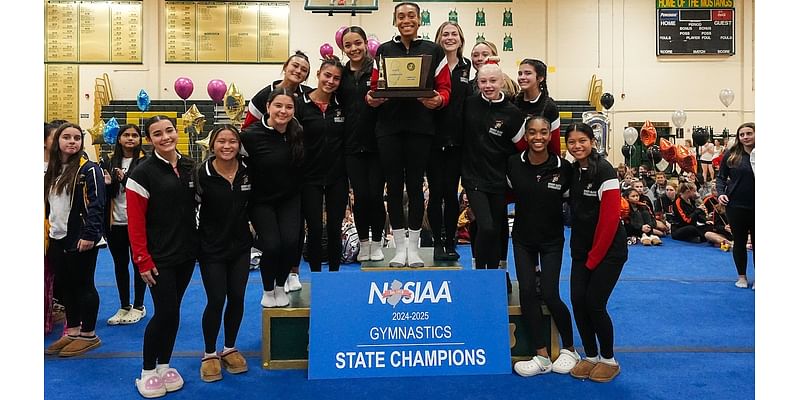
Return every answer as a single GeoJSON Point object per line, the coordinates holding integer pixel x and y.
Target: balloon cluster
{"type": "Point", "coordinates": [326, 50]}
{"type": "Point", "coordinates": [663, 150]}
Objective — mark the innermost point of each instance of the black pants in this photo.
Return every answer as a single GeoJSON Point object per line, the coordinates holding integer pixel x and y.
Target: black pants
{"type": "Point", "coordinates": [366, 178]}
{"type": "Point", "coordinates": [526, 257]}
{"type": "Point", "coordinates": [490, 215]}
{"type": "Point", "coordinates": [224, 280]}
{"type": "Point", "coordinates": [120, 247]}
{"type": "Point", "coordinates": [161, 331]}
{"type": "Point", "coordinates": [403, 159]}
{"type": "Point", "coordinates": [279, 227]}
{"type": "Point", "coordinates": [689, 233]}
{"type": "Point", "coordinates": [334, 199]}
{"type": "Point", "coordinates": [743, 222]}
{"type": "Point", "coordinates": [75, 273]}
{"type": "Point", "coordinates": [589, 292]}
{"type": "Point", "coordinates": [444, 171]}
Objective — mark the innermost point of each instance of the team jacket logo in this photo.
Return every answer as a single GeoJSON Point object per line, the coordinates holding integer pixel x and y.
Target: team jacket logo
{"type": "Point", "coordinates": [496, 129]}
{"type": "Point", "coordinates": [410, 292]}
{"type": "Point", "coordinates": [337, 117]}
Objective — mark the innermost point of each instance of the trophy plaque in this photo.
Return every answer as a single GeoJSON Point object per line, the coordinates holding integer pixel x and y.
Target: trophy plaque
{"type": "Point", "coordinates": [404, 77]}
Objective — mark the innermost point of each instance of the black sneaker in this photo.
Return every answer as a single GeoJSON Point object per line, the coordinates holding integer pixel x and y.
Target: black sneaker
{"type": "Point", "coordinates": [439, 253]}
{"type": "Point", "coordinates": [450, 249]}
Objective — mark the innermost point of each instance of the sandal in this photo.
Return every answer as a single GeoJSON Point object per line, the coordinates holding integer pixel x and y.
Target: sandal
{"type": "Point", "coordinates": [133, 316]}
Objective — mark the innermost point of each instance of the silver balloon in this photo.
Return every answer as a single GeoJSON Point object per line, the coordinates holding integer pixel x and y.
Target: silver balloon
{"type": "Point", "coordinates": [679, 118]}
{"type": "Point", "coordinates": [630, 135]}
{"type": "Point", "coordinates": [599, 123]}
{"type": "Point", "coordinates": [726, 96]}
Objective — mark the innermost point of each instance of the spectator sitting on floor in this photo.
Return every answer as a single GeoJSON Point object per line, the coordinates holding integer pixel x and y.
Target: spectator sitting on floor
{"type": "Point", "coordinates": [660, 186]}
{"type": "Point", "coordinates": [663, 206]}
{"type": "Point", "coordinates": [691, 224]}
{"type": "Point", "coordinates": [640, 223]}
{"type": "Point", "coordinates": [721, 225]}
{"type": "Point", "coordinates": [646, 175]}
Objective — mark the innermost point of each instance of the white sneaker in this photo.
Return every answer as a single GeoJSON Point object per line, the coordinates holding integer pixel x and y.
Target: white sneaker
{"type": "Point", "coordinates": [534, 366]}
{"type": "Point", "coordinates": [741, 283]}
{"type": "Point", "coordinates": [281, 299]}
{"type": "Point", "coordinates": [133, 316]}
{"type": "Point", "coordinates": [116, 318]}
{"type": "Point", "coordinates": [268, 299]}
{"type": "Point", "coordinates": [566, 361]}
{"type": "Point", "coordinates": [364, 250]}
{"type": "Point", "coordinates": [375, 251]}
{"type": "Point", "coordinates": [400, 255]}
{"type": "Point", "coordinates": [293, 283]}
{"type": "Point", "coordinates": [412, 249]}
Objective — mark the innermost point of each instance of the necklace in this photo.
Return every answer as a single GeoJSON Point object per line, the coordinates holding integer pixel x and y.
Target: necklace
{"type": "Point", "coordinates": [227, 174]}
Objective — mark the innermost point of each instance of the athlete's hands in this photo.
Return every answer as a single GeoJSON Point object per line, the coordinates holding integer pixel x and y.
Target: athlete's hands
{"type": "Point", "coordinates": [431, 103]}
{"type": "Point", "coordinates": [84, 245]}
{"type": "Point", "coordinates": [149, 276]}
{"type": "Point", "coordinates": [372, 101]}
{"type": "Point", "coordinates": [723, 199]}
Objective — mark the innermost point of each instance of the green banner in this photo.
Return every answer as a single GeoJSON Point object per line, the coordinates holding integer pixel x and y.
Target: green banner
{"type": "Point", "coordinates": [694, 3]}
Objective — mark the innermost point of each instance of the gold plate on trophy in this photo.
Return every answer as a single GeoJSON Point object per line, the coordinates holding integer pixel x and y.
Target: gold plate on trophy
{"type": "Point", "coordinates": [404, 77]}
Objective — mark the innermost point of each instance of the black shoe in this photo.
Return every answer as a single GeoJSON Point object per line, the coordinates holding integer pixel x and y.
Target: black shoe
{"type": "Point", "coordinates": [439, 254]}
{"type": "Point", "coordinates": [508, 283]}
{"type": "Point", "coordinates": [450, 249]}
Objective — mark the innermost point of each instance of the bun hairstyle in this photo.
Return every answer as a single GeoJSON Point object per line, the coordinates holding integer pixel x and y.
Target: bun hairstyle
{"type": "Point", "coordinates": [298, 54]}
{"type": "Point", "coordinates": [492, 60]}
{"type": "Point", "coordinates": [332, 60]}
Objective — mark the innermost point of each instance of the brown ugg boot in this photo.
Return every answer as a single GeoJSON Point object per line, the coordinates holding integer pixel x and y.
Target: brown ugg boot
{"type": "Point", "coordinates": [59, 344]}
{"type": "Point", "coordinates": [603, 372]}
{"type": "Point", "coordinates": [234, 362]}
{"type": "Point", "coordinates": [79, 346]}
{"type": "Point", "coordinates": [582, 369]}
{"type": "Point", "coordinates": [210, 369]}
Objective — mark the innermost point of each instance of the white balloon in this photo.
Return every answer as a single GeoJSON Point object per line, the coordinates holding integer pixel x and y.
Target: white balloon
{"type": "Point", "coordinates": [630, 135]}
{"type": "Point", "coordinates": [679, 118]}
{"type": "Point", "coordinates": [726, 96]}
{"type": "Point", "coordinates": [662, 165]}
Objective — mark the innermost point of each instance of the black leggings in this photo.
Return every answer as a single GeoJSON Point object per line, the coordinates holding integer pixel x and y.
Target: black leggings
{"type": "Point", "coordinates": [490, 215]}
{"type": "Point", "coordinates": [444, 171]}
{"type": "Point", "coordinates": [366, 178]}
{"type": "Point", "coordinates": [689, 233]}
{"type": "Point", "coordinates": [120, 247]}
{"type": "Point", "coordinates": [334, 198]}
{"type": "Point", "coordinates": [526, 257]}
{"type": "Point", "coordinates": [224, 280]}
{"type": "Point", "coordinates": [75, 273]}
{"type": "Point", "coordinates": [403, 159]}
{"type": "Point", "coordinates": [161, 331]}
{"type": "Point", "coordinates": [743, 222]}
{"type": "Point", "coordinates": [589, 292]}
{"type": "Point", "coordinates": [279, 227]}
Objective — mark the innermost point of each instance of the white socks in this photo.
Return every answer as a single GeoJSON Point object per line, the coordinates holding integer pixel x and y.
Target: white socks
{"type": "Point", "coordinates": [364, 251]}
{"type": "Point", "coordinates": [609, 361]}
{"type": "Point", "coordinates": [281, 299]}
{"type": "Point", "coordinates": [414, 260]}
{"type": "Point", "coordinates": [594, 359]}
{"type": "Point", "coordinates": [400, 241]}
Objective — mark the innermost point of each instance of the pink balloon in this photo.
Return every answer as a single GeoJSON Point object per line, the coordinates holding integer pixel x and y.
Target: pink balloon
{"type": "Point", "coordinates": [326, 50]}
{"type": "Point", "coordinates": [184, 87]}
{"type": "Point", "coordinates": [372, 46]}
{"type": "Point", "coordinates": [339, 36]}
{"type": "Point", "coordinates": [216, 90]}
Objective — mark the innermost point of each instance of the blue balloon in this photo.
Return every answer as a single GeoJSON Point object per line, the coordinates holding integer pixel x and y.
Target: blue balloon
{"type": "Point", "coordinates": [143, 101]}
{"type": "Point", "coordinates": [111, 131]}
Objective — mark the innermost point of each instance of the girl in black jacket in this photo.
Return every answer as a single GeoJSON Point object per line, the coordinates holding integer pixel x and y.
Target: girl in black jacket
{"type": "Point", "coordinates": [491, 134]}
{"type": "Point", "coordinates": [736, 185]}
{"type": "Point", "coordinates": [444, 165]}
{"type": "Point", "coordinates": [324, 191]}
{"type": "Point", "coordinates": [360, 146]}
{"type": "Point", "coordinates": [275, 151]}
{"type": "Point", "coordinates": [127, 155]}
{"type": "Point", "coordinates": [74, 195]}
{"type": "Point", "coordinates": [223, 191]}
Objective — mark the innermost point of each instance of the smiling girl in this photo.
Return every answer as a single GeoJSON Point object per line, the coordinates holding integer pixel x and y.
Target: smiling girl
{"type": "Point", "coordinates": [295, 71]}
{"type": "Point", "coordinates": [74, 195]}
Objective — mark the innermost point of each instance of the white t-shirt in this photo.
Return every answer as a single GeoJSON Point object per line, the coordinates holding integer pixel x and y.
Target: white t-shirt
{"type": "Point", "coordinates": [707, 152]}
{"type": "Point", "coordinates": [59, 212]}
{"type": "Point", "coordinates": [119, 215]}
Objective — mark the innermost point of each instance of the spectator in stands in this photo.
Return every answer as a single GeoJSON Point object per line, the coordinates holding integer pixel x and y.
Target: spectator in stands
{"type": "Point", "coordinates": [74, 196]}
{"type": "Point", "coordinates": [599, 251]}
{"type": "Point", "coordinates": [736, 184]}
{"type": "Point", "coordinates": [223, 190]}
{"type": "Point", "coordinates": [162, 227]}
{"type": "Point", "coordinates": [127, 155]}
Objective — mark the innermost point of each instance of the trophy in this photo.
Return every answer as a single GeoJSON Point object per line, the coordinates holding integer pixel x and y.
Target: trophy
{"type": "Point", "coordinates": [404, 77]}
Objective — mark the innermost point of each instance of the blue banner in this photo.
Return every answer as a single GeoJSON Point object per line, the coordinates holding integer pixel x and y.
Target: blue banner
{"type": "Point", "coordinates": [408, 323]}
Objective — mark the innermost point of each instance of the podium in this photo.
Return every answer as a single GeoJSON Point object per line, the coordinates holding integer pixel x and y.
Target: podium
{"type": "Point", "coordinates": [284, 336]}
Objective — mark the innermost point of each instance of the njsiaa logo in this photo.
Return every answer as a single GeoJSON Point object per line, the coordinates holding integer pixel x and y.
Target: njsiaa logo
{"type": "Point", "coordinates": [409, 292]}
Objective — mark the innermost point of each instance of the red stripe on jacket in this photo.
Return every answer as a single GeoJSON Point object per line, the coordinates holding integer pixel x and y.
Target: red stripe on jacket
{"type": "Point", "coordinates": [607, 222]}
{"type": "Point", "coordinates": [555, 137]}
{"type": "Point", "coordinates": [442, 83]}
{"type": "Point", "coordinates": [137, 231]}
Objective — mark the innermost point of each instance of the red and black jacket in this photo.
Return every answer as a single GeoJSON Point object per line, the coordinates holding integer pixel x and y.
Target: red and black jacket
{"type": "Point", "coordinates": [409, 115]}
{"type": "Point", "coordinates": [597, 230]}
{"type": "Point", "coordinates": [162, 223]}
{"type": "Point", "coordinates": [543, 106]}
{"type": "Point", "coordinates": [258, 104]}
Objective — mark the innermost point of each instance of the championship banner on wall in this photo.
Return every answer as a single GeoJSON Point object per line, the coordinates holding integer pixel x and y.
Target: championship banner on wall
{"type": "Point", "coordinates": [420, 323]}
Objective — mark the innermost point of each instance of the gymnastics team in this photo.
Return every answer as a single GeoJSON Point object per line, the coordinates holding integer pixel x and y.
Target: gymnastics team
{"type": "Point", "coordinates": [299, 152]}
